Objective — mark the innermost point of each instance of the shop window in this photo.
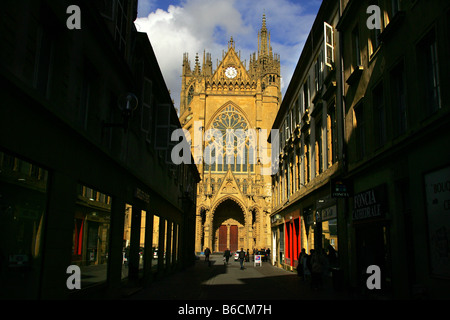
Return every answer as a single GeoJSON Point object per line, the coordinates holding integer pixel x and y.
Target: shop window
{"type": "Point", "coordinates": [126, 240]}
{"type": "Point", "coordinates": [175, 242]}
{"type": "Point", "coordinates": [330, 240]}
{"type": "Point", "coordinates": [142, 239]}
{"type": "Point", "coordinates": [308, 215]}
{"type": "Point", "coordinates": [292, 242]}
{"type": "Point", "coordinates": [91, 232]}
{"type": "Point", "coordinates": [155, 243]}
{"type": "Point", "coordinates": [170, 244]}
{"type": "Point", "coordinates": [164, 232]}
{"type": "Point", "coordinates": [23, 197]}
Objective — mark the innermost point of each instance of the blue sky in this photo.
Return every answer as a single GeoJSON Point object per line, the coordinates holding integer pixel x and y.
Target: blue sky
{"type": "Point", "coordinates": [194, 26]}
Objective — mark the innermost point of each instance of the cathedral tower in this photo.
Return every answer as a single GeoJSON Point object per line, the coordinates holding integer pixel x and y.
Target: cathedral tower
{"type": "Point", "coordinates": [228, 112]}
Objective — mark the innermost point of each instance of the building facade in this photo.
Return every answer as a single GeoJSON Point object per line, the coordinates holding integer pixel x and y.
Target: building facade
{"type": "Point", "coordinates": [396, 134]}
{"type": "Point", "coordinates": [305, 208]}
{"type": "Point", "coordinates": [388, 186]}
{"type": "Point", "coordinates": [85, 191]}
{"type": "Point", "coordinates": [227, 111]}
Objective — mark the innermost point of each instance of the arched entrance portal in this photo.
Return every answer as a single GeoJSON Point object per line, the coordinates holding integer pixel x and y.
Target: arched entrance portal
{"type": "Point", "coordinates": [229, 229]}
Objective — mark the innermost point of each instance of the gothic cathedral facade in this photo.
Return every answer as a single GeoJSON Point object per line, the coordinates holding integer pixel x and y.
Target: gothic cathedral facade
{"type": "Point", "coordinates": [228, 113]}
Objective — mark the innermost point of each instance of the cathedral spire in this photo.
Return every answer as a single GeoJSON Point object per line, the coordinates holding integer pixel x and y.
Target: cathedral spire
{"type": "Point", "coordinates": [263, 37]}
{"type": "Point", "coordinates": [231, 43]}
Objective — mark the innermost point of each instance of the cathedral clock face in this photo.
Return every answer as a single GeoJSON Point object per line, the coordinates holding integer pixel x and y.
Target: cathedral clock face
{"type": "Point", "coordinates": [230, 72]}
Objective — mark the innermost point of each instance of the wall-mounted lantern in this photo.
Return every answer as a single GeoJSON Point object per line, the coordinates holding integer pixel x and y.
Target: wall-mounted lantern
{"type": "Point", "coordinates": [127, 103]}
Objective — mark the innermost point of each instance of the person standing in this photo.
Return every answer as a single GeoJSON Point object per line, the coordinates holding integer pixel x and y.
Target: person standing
{"type": "Point", "coordinates": [300, 269]}
{"type": "Point", "coordinates": [241, 258]}
{"type": "Point", "coordinates": [227, 255]}
{"type": "Point", "coordinates": [207, 253]}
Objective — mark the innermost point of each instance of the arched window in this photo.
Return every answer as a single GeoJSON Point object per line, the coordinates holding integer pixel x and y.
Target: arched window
{"type": "Point", "coordinates": [231, 145]}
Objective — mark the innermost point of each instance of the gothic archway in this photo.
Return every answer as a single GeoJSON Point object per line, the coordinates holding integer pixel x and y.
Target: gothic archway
{"type": "Point", "coordinates": [229, 225]}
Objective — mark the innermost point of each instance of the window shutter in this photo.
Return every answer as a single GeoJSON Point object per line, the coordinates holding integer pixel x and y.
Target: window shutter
{"type": "Point", "coordinates": [329, 45]}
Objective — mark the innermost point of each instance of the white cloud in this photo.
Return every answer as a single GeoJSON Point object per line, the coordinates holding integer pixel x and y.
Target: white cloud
{"type": "Point", "coordinates": [198, 25]}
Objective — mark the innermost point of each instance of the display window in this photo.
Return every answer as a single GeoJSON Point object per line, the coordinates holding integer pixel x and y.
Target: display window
{"type": "Point", "coordinates": [91, 235]}
{"type": "Point", "coordinates": [155, 243]}
{"type": "Point", "coordinates": [126, 240]}
{"type": "Point", "coordinates": [142, 240]}
{"type": "Point", "coordinates": [23, 198]}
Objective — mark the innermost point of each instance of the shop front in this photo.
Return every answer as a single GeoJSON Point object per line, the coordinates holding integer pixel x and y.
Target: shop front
{"type": "Point", "coordinates": [23, 202]}
{"type": "Point", "coordinates": [327, 222]}
{"type": "Point", "coordinates": [321, 225]}
{"type": "Point", "coordinates": [292, 241]}
{"type": "Point", "coordinates": [372, 235]}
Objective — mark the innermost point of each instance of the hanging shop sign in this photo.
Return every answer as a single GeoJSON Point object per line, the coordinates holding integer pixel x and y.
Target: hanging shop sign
{"type": "Point", "coordinates": [370, 204]}
{"type": "Point", "coordinates": [340, 188]}
{"type": "Point", "coordinates": [329, 213]}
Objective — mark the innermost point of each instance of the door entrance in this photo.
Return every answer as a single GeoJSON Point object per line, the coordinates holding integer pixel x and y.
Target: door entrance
{"type": "Point", "coordinates": [372, 245]}
{"type": "Point", "coordinates": [227, 221]}
{"type": "Point", "coordinates": [233, 238]}
{"type": "Point", "coordinates": [222, 238]}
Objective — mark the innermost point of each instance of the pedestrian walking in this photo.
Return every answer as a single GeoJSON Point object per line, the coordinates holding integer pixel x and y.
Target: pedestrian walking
{"type": "Point", "coordinates": [207, 253]}
{"type": "Point", "coordinates": [241, 258]}
{"type": "Point", "coordinates": [300, 269]}
{"type": "Point", "coordinates": [227, 255]}
{"type": "Point", "coordinates": [306, 263]}
{"type": "Point", "coordinates": [332, 256]}
{"type": "Point", "coordinates": [247, 256]}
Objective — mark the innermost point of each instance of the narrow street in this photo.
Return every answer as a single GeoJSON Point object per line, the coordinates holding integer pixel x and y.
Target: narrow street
{"type": "Point", "coordinates": [229, 282]}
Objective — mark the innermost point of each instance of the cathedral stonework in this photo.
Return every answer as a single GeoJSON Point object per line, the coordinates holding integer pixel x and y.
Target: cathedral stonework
{"type": "Point", "coordinates": [228, 113]}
